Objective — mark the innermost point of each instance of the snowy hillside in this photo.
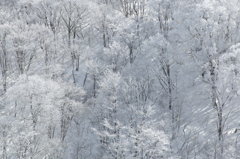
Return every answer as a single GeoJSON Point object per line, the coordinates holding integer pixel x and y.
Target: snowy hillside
{"type": "Point", "coordinates": [119, 79]}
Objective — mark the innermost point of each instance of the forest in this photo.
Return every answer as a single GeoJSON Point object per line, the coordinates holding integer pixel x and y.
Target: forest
{"type": "Point", "coordinates": [119, 79]}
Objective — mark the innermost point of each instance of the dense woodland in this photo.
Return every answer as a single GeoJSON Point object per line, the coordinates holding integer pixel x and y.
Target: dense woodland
{"type": "Point", "coordinates": [119, 79]}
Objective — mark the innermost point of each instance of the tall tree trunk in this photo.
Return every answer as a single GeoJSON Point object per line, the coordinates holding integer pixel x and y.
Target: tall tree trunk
{"type": "Point", "coordinates": [218, 107]}
{"type": "Point", "coordinates": [3, 62]}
